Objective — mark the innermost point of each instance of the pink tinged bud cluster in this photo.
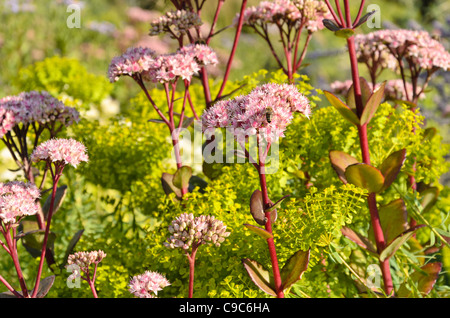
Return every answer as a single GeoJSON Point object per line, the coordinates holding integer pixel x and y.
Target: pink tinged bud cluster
{"type": "Point", "coordinates": [147, 285]}
{"type": "Point", "coordinates": [248, 115]}
{"type": "Point", "coordinates": [374, 53]}
{"type": "Point", "coordinates": [34, 107]}
{"type": "Point", "coordinates": [84, 259]}
{"type": "Point", "coordinates": [309, 12]}
{"type": "Point", "coordinates": [187, 230]}
{"type": "Point", "coordinates": [18, 199]}
{"type": "Point", "coordinates": [165, 68]}
{"type": "Point", "coordinates": [416, 46]}
{"type": "Point", "coordinates": [61, 151]}
{"type": "Point", "coordinates": [135, 60]}
{"type": "Point", "coordinates": [177, 22]}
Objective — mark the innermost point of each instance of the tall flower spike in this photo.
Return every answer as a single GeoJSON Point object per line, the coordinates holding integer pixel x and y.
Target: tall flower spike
{"type": "Point", "coordinates": [62, 151]}
{"type": "Point", "coordinates": [18, 199]}
{"type": "Point", "coordinates": [147, 285]}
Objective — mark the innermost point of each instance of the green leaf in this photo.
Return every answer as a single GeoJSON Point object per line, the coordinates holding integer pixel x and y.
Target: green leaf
{"type": "Point", "coordinates": [196, 181]}
{"type": "Point", "coordinates": [330, 25]}
{"type": "Point", "coordinates": [260, 276]}
{"type": "Point", "coordinates": [365, 176]}
{"type": "Point", "coordinates": [294, 268]}
{"type": "Point", "coordinates": [366, 92]}
{"type": "Point", "coordinates": [392, 247]}
{"type": "Point", "coordinates": [277, 204]}
{"type": "Point", "coordinates": [424, 280]}
{"type": "Point", "coordinates": [261, 232]}
{"type": "Point", "coordinates": [428, 198]}
{"type": "Point", "coordinates": [391, 167]}
{"type": "Point", "coordinates": [363, 19]}
{"type": "Point", "coordinates": [340, 161]}
{"type": "Point", "coordinates": [344, 33]}
{"type": "Point", "coordinates": [33, 241]}
{"type": "Point", "coordinates": [372, 104]}
{"type": "Point", "coordinates": [181, 177]}
{"type": "Point", "coordinates": [342, 108]}
{"type": "Point", "coordinates": [59, 197]}
{"type": "Point", "coordinates": [168, 186]}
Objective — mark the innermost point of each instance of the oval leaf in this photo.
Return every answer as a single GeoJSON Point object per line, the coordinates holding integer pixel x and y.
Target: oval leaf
{"type": "Point", "coordinates": [342, 108]}
{"type": "Point", "coordinates": [260, 276]}
{"type": "Point", "coordinates": [330, 25]}
{"type": "Point", "coordinates": [167, 184]}
{"type": "Point", "coordinates": [340, 161]}
{"type": "Point", "coordinates": [425, 280]}
{"type": "Point", "coordinates": [261, 232]}
{"type": "Point", "coordinates": [360, 240]}
{"type": "Point", "coordinates": [366, 91]}
{"type": "Point", "coordinates": [59, 197]}
{"type": "Point", "coordinates": [363, 19]}
{"type": "Point", "coordinates": [181, 177]}
{"type": "Point", "coordinates": [344, 33]}
{"type": "Point", "coordinates": [71, 246]}
{"type": "Point", "coordinates": [372, 104]}
{"type": "Point", "coordinates": [391, 248]}
{"type": "Point", "coordinates": [391, 167]}
{"type": "Point", "coordinates": [257, 207]}
{"type": "Point", "coordinates": [294, 268]}
{"type": "Point", "coordinates": [365, 176]}
{"type": "Point", "coordinates": [393, 219]}
{"type": "Point", "coordinates": [44, 286]}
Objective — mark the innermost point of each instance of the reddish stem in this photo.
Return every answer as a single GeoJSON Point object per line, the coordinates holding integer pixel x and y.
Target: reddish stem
{"type": "Point", "coordinates": [191, 259]}
{"type": "Point", "coordinates": [15, 257]}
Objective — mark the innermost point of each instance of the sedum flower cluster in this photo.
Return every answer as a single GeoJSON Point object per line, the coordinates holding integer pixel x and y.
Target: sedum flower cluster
{"type": "Point", "coordinates": [176, 22]}
{"type": "Point", "coordinates": [34, 107]}
{"type": "Point", "coordinates": [292, 12]}
{"type": "Point", "coordinates": [18, 199]}
{"type": "Point", "coordinates": [61, 151]}
{"type": "Point", "coordinates": [249, 115]}
{"type": "Point", "coordinates": [147, 285]}
{"type": "Point", "coordinates": [373, 53]}
{"type": "Point", "coordinates": [418, 47]}
{"type": "Point", "coordinates": [144, 63]}
{"type": "Point", "coordinates": [84, 259]}
{"type": "Point", "coordinates": [188, 230]}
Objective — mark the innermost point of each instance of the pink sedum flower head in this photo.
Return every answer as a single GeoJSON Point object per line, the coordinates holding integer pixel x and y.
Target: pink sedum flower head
{"type": "Point", "coordinates": [169, 67]}
{"type": "Point", "coordinates": [18, 199]}
{"type": "Point", "coordinates": [265, 112]}
{"type": "Point", "coordinates": [147, 285]}
{"type": "Point", "coordinates": [187, 230]}
{"type": "Point", "coordinates": [85, 259]}
{"type": "Point", "coordinates": [133, 62]}
{"type": "Point", "coordinates": [61, 151]}
{"type": "Point", "coordinates": [202, 53]}
{"type": "Point", "coordinates": [34, 107]}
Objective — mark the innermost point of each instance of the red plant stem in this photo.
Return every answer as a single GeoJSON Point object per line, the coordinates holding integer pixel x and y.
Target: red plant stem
{"type": "Point", "coordinates": [10, 288]}
{"type": "Point", "coordinates": [268, 225]}
{"type": "Point", "coordinates": [15, 257]}
{"type": "Point", "coordinates": [233, 50]}
{"type": "Point", "coordinates": [57, 174]}
{"type": "Point", "coordinates": [364, 143]}
{"type": "Point", "coordinates": [213, 25]}
{"type": "Point", "coordinates": [191, 259]}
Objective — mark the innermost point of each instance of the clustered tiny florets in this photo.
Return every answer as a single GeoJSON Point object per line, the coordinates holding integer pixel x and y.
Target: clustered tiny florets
{"type": "Point", "coordinates": [34, 107]}
{"type": "Point", "coordinates": [175, 22]}
{"type": "Point", "coordinates": [247, 115]}
{"type": "Point", "coordinates": [184, 63]}
{"type": "Point", "coordinates": [58, 150]}
{"type": "Point", "coordinates": [187, 230]}
{"type": "Point", "coordinates": [84, 259]}
{"type": "Point", "coordinates": [18, 199]}
{"type": "Point", "coordinates": [147, 285]}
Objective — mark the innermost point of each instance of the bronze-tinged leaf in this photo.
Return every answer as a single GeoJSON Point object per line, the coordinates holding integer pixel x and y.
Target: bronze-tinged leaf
{"type": "Point", "coordinates": [425, 278]}
{"type": "Point", "coordinates": [261, 232]}
{"type": "Point", "coordinates": [260, 276]}
{"type": "Point", "coordinates": [393, 219]}
{"type": "Point", "coordinates": [371, 106]}
{"type": "Point", "coordinates": [75, 238]}
{"type": "Point", "coordinates": [257, 207]}
{"type": "Point", "coordinates": [294, 268]}
{"type": "Point", "coordinates": [181, 177]}
{"type": "Point", "coordinates": [363, 19]}
{"type": "Point", "coordinates": [340, 161]}
{"type": "Point", "coordinates": [168, 186]}
{"type": "Point", "coordinates": [391, 167]}
{"type": "Point", "coordinates": [428, 198]}
{"type": "Point", "coordinates": [330, 25]}
{"type": "Point", "coordinates": [366, 92]}
{"type": "Point", "coordinates": [365, 176]}
{"type": "Point", "coordinates": [360, 240]}
{"type": "Point", "coordinates": [342, 108]}
{"type": "Point", "coordinates": [392, 247]}
{"type": "Point", "coordinates": [44, 286]}
{"type": "Point", "coordinates": [277, 204]}
{"type": "Point", "coordinates": [33, 242]}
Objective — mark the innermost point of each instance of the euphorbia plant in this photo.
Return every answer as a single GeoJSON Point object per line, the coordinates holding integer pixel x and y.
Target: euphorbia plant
{"type": "Point", "coordinates": [359, 108]}
{"type": "Point", "coordinates": [263, 114]}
